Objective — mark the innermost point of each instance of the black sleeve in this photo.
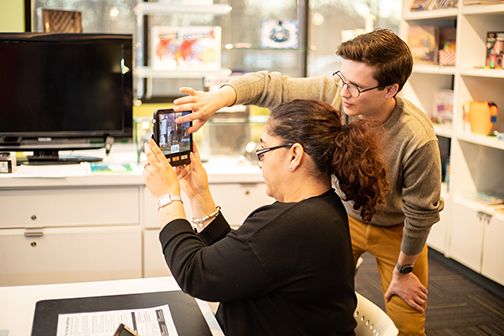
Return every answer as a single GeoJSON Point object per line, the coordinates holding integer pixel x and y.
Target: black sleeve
{"type": "Point", "coordinates": [225, 270]}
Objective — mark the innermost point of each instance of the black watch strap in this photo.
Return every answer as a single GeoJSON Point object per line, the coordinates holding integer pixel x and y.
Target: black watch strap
{"type": "Point", "coordinates": [405, 269]}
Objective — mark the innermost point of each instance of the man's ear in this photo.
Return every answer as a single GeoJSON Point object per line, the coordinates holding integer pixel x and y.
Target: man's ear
{"type": "Point", "coordinates": [391, 90]}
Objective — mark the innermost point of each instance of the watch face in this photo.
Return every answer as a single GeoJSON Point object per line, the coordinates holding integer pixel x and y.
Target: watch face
{"type": "Point", "coordinates": [406, 269]}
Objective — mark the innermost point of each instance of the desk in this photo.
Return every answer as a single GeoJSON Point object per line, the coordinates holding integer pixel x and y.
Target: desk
{"type": "Point", "coordinates": [17, 303]}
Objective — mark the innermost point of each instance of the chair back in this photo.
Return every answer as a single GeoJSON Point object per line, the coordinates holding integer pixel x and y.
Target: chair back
{"type": "Point", "coordinates": [371, 320]}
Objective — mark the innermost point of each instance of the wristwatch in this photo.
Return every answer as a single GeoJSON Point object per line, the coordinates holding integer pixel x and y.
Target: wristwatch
{"type": "Point", "coordinates": [405, 269]}
{"type": "Point", "coordinates": [167, 199]}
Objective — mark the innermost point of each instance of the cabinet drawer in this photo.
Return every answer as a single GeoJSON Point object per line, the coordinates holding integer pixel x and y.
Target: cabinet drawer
{"type": "Point", "coordinates": [69, 207]}
{"type": "Point", "coordinates": [69, 255]}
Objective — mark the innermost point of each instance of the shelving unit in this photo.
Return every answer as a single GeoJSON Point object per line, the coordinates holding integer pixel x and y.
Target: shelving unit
{"type": "Point", "coordinates": [142, 71]}
{"type": "Point", "coordinates": [469, 227]}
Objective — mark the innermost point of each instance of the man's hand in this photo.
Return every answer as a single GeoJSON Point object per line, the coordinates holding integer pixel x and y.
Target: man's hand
{"type": "Point", "coordinates": [203, 104]}
{"type": "Point", "coordinates": [408, 288]}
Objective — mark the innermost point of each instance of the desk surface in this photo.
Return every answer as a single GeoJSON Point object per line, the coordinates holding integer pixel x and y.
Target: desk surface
{"type": "Point", "coordinates": [17, 303]}
{"type": "Point", "coordinates": [220, 169]}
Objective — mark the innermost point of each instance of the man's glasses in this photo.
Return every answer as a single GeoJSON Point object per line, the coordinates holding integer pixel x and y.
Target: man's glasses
{"type": "Point", "coordinates": [261, 151]}
{"type": "Point", "coordinates": [354, 90]}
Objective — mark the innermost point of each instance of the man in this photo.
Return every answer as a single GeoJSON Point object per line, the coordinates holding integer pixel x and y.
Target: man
{"type": "Point", "coordinates": [374, 68]}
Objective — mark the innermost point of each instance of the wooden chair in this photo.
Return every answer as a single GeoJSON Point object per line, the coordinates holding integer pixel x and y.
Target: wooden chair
{"type": "Point", "coordinates": [61, 21]}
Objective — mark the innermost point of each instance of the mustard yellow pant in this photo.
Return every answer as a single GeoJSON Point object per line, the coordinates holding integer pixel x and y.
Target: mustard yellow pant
{"type": "Point", "coordinates": [385, 243]}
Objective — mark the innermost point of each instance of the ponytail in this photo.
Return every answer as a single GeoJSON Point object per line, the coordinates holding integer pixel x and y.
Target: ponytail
{"type": "Point", "coordinates": [359, 168]}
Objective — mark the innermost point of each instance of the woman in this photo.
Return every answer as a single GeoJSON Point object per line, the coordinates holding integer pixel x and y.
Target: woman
{"type": "Point", "coordinates": [288, 270]}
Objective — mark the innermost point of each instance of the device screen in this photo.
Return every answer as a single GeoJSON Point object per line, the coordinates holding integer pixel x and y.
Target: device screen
{"type": "Point", "coordinates": [172, 138]}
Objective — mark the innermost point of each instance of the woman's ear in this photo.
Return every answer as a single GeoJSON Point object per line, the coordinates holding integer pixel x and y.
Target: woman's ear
{"type": "Point", "coordinates": [297, 153]}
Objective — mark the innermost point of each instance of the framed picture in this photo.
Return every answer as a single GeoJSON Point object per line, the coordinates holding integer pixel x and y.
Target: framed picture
{"type": "Point", "coordinates": [279, 34]}
{"type": "Point", "coordinates": [186, 48]}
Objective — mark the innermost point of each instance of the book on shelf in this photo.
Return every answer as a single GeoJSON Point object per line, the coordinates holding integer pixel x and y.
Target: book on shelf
{"type": "Point", "coordinates": [423, 41]}
{"type": "Point", "coordinates": [186, 48]}
{"type": "Point", "coordinates": [419, 5]}
{"type": "Point", "coordinates": [494, 50]}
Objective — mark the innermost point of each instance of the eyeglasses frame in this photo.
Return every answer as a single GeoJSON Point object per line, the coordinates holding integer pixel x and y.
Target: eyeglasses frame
{"type": "Point", "coordinates": [261, 151]}
{"type": "Point", "coordinates": [359, 90]}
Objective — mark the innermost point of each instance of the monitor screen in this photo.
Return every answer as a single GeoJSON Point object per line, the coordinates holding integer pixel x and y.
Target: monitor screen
{"type": "Point", "coordinates": [64, 91]}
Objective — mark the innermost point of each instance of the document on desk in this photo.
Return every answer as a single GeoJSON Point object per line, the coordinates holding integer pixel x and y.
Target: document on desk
{"type": "Point", "coordinates": [155, 321]}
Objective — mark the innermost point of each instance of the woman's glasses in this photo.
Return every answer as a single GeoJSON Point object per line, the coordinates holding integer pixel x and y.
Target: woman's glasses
{"type": "Point", "coordinates": [261, 151]}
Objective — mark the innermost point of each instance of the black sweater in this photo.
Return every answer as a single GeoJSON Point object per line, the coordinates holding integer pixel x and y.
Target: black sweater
{"type": "Point", "coordinates": [288, 270]}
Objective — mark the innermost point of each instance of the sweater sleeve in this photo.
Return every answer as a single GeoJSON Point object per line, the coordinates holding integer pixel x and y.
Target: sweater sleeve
{"type": "Point", "coordinates": [198, 265]}
{"type": "Point", "coordinates": [421, 196]}
{"type": "Point", "coordinates": [270, 89]}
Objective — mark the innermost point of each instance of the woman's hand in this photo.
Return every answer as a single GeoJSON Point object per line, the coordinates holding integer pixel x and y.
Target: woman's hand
{"type": "Point", "coordinates": [159, 176]}
{"type": "Point", "coordinates": [193, 177]}
{"type": "Point", "coordinates": [203, 104]}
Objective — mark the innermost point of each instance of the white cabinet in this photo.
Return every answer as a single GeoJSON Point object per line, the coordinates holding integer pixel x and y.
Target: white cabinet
{"type": "Point", "coordinates": [477, 238]}
{"type": "Point", "coordinates": [65, 234]}
{"type": "Point", "coordinates": [492, 265]}
{"type": "Point", "coordinates": [100, 226]}
{"type": "Point", "coordinates": [476, 161]}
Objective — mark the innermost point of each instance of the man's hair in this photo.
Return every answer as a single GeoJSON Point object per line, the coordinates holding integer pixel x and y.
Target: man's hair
{"type": "Point", "coordinates": [384, 50]}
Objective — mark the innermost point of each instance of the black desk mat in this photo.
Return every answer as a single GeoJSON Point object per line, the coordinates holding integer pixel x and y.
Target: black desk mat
{"type": "Point", "coordinates": [187, 316]}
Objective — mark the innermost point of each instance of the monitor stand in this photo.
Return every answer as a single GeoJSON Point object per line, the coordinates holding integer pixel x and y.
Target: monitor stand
{"type": "Point", "coordinates": [52, 157]}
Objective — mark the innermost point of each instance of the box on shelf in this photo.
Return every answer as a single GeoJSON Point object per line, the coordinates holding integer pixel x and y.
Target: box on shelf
{"type": "Point", "coordinates": [447, 45]}
{"type": "Point", "coordinates": [186, 48]}
{"type": "Point", "coordinates": [494, 50]}
{"type": "Point", "coordinates": [443, 106]}
{"type": "Point", "coordinates": [423, 42]}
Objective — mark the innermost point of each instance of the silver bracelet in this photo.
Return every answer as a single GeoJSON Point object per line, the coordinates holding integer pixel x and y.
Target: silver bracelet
{"type": "Point", "coordinates": [201, 220]}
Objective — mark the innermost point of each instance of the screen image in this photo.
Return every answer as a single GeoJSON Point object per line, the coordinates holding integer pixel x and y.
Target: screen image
{"type": "Point", "coordinates": [173, 137]}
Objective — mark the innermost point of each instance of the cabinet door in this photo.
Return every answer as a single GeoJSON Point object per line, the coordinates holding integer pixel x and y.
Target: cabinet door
{"type": "Point", "coordinates": [239, 200]}
{"type": "Point", "coordinates": [466, 236]}
{"type": "Point", "coordinates": [493, 249]}
{"type": "Point", "coordinates": [68, 255]}
{"type": "Point", "coordinates": [154, 262]}
{"type": "Point", "coordinates": [438, 235]}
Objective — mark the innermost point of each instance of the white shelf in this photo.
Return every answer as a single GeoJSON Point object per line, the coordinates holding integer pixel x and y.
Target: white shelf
{"type": "Point", "coordinates": [489, 73]}
{"type": "Point", "coordinates": [433, 69]}
{"type": "Point", "coordinates": [488, 141]}
{"type": "Point", "coordinates": [483, 9]}
{"type": "Point", "coordinates": [446, 13]}
{"type": "Point", "coordinates": [148, 72]}
{"type": "Point", "coordinates": [160, 8]}
{"type": "Point", "coordinates": [444, 130]}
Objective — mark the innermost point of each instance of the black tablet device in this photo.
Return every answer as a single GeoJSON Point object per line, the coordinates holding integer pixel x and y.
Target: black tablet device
{"type": "Point", "coordinates": [171, 137]}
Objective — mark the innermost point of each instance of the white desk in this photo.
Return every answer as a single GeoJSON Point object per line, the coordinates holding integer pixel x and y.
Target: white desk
{"type": "Point", "coordinates": [17, 303]}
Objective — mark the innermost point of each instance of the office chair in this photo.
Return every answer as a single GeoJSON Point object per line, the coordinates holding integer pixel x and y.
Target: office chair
{"type": "Point", "coordinates": [371, 320]}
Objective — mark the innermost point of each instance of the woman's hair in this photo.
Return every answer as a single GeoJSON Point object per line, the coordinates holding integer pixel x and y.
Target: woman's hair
{"type": "Point", "coordinates": [349, 152]}
{"type": "Point", "coordinates": [383, 49]}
